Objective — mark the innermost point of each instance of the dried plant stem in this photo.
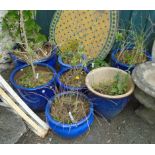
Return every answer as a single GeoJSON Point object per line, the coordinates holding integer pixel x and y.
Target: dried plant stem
{"type": "Point", "coordinates": [24, 38]}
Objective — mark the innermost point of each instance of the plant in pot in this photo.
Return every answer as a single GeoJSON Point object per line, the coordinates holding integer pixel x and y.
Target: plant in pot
{"type": "Point", "coordinates": [109, 90]}
{"type": "Point", "coordinates": [69, 114]}
{"type": "Point", "coordinates": [34, 82]}
{"type": "Point", "coordinates": [42, 49]}
{"type": "Point", "coordinates": [73, 79]}
{"type": "Point", "coordinates": [131, 49]}
{"type": "Point", "coordinates": [73, 55]}
{"type": "Point", "coordinates": [97, 63]}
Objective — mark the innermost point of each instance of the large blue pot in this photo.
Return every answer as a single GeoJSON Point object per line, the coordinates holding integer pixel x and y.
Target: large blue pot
{"type": "Point", "coordinates": [117, 64]}
{"type": "Point", "coordinates": [64, 66]}
{"type": "Point", "coordinates": [69, 130]}
{"type": "Point", "coordinates": [36, 98]}
{"type": "Point", "coordinates": [51, 60]}
{"type": "Point", "coordinates": [64, 87]}
{"type": "Point", "coordinates": [107, 106]}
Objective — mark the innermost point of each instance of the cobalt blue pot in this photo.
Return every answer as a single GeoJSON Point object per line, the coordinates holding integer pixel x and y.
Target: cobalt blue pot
{"type": "Point", "coordinates": [64, 66]}
{"type": "Point", "coordinates": [107, 106]}
{"type": "Point", "coordinates": [36, 98]}
{"type": "Point", "coordinates": [64, 87]}
{"type": "Point", "coordinates": [69, 130]}
{"type": "Point", "coordinates": [126, 67]}
{"type": "Point", "coordinates": [51, 60]}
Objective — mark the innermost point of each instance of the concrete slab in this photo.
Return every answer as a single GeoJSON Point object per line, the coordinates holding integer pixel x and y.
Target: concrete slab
{"type": "Point", "coordinates": [11, 126]}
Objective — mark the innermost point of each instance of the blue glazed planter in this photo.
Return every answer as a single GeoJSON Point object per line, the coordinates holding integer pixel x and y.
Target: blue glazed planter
{"type": "Point", "coordinates": [116, 63]}
{"type": "Point", "coordinates": [69, 130]}
{"type": "Point", "coordinates": [64, 66]}
{"type": "Point", "coordinates": [64, 87]}
{"type": "Point", "coordinates": [51, 60]}
{"type": "Point", "coordinates": [107, 106]}
{"type": "Point", "coordinates": [36, 98]}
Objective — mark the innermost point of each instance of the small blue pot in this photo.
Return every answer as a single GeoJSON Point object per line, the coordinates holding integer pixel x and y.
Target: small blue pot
{"type": "Point", "coordinates": [69, 130]}
{"type": "Point", "coordinates": [64, 87]}
{"type": "Point", "coordinates": [117, 64]}
{"type": "Point", "coordinates": [108, 108]}
{"type": "Point", "coordinates": [51, 60]}
{"type": "Point", "coordinates": [64, 66]}
{"type": "Point", "coordinates": [36, 98]}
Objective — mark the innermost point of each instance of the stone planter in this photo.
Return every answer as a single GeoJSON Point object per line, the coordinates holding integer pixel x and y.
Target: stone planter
{"type": "Point", "coordinates": [144, 77]}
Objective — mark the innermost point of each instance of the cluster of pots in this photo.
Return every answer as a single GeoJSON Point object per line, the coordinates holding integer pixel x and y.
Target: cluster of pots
{"type": "Point", "coordinates": [41, 98]}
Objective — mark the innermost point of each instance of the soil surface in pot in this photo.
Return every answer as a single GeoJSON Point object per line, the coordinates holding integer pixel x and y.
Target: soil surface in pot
{"type": "Point", "coordinates": [131, 57]}
{"type": "Point", "coordinates": [26, 79]}
{"type": "Point", "coordinates": [118, 86]}
{"type": "Point", "coordinates": [74, 78]}
{"type": "Point", "coordinates": [69, 109]}
{"type": "Point", "coordinates": [39, 54]}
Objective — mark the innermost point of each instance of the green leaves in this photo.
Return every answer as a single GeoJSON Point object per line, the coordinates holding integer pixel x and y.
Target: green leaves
{"type": "Point", "coordinates": [11, 26]}
{"type": "Point", "coordinates": [118, 86]}
{"type": "Point", "coordinates": [98, 62]}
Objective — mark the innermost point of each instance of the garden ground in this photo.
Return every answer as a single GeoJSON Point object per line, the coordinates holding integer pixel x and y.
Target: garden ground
{"type": "Point", "coordinates": [125, 128]}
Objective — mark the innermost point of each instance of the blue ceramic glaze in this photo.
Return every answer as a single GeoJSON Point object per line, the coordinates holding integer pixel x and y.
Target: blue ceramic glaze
{"type": "Point", "coordinates": [69, 130]}
{"type": "Point", "coordinates": [108, 108]}
{"type": "Point", "coordinates": [36, 98]}
{"type": "Point", "coordinates": [117, 64]}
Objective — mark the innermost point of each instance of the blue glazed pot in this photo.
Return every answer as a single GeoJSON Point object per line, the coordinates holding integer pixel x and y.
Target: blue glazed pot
{"type": "Point", "coordinates": [116, 63]}
{"type": "Point", "coordinates": [51, 60]}
{"type": "Point", "coordinates": [36, 98]}
{"type": "Point", "coordinates": [63, 87]}
{"type": "Point", "coordinates": [107, 106]}
{"type": "Point", "coordinates": [64, 66]}
{"type": "Point", "coordinates": [69, 130]}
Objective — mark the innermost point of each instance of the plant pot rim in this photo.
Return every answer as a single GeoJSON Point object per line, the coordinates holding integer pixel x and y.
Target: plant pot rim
{"type": "Point", "coordinates": [42, 60]}
{"type": "Point", "coordinates": [38, 87]}
{"type": "Point", "coordinates": [130, 91]}
{"type": "Point", "coordinates": [65, 70]}
{"type": "Point", "coordinates": [67, 65]}
{"type": "Point", "coordinates": [49, 106]}
{"type": "Point", "coordinates": [148, 55]}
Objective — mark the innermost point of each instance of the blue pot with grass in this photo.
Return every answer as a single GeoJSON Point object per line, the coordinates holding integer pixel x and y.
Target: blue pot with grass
{"type": "Point", "coordinates": [64, 87]}
{"type": "Point", "coordinates": [107, 106]}
{"type": "Point", "coordinates": [36, 98]}
{"type": "Point", "coordinates": [51, 60]}
{"type": "Point", "coordinates": [73, 130]}
{"type": "Point", "coordinates": [126, 67]}
{"type": "Point", "coordinates": [64, 66]}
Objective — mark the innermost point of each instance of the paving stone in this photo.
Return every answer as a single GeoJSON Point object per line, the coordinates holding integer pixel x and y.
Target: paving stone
{"type": "Point", "coordinates": [143, 98]}
{"type": "Point", "coordinates": [11, 126]}
{"type": "Point", "coordinates": [146, 114]}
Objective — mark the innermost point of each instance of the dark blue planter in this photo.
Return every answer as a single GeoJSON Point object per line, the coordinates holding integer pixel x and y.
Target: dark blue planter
{"type": "Point", "coordinates": [108, 108]}
{"type": "Point", "coordinates": [64, 66]}
{"type": "Point", "coordinates": [51, 60]}
{"type": "Point", "coordinates": [69, 130]}
{"type": "Point", "coordinates": [117, 64]}
{"type": "Point", "coordinates": [36, 98]}
{"type": "Point", "coordinates": [64, 87]}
